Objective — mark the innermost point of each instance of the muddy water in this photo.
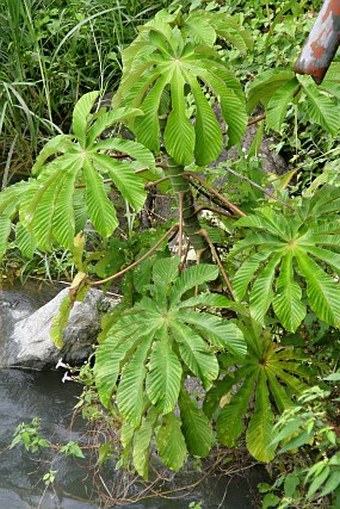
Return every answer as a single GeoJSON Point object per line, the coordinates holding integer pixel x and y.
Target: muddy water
{"type": "Point", "coordinates": [24, 395]}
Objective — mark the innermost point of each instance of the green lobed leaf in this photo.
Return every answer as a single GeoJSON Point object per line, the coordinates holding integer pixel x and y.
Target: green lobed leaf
{"type": "Point", "coordinates": [234, 113]}
{"type": "Point", "coordinates": [331, 258]}
{"type": "Point", "coordinates": [246, 272]}
{"type": "Point", "coordinates": [195, 353]}
{"type": "Point", "coordinates": [24, 241]}
{"type": "Point", "coordinates": [268, 219]}
{"type": "Point", "coordinates": [260, 429]}
{"type": "Point", "coordinates": [130, 78]}
{"type": "Point", "coordinates": [264, 86]}
{"type": "Point", "coordinates": [230, 420]}
{"type": "Point", "coordinates": [196, 427]}
{"type": "Point", "coordinates": [259, 240]}
{"type": "Point", "coordinates": [227, 77]}
{"type": "Point", "coordinates": [287, 301]}
{"type": "Point", "coordinates": [322, 109]}
{"type": "Point", "coordinates": [322, 291]}
{"type": "Point", "coordinates": [81, 114]}
{"type": "Point", "coordinates": [43, 207]}
{"type": "Point", "coordinates": [282, 400]}
{"type": "Point", "coordinates": [137, 151]}
{"type": "Point", "coordinates": [108, 119]}
{"type": "Point", "coordinates": [208, 299]}
{"type": "Point", "coordinates": [127, 432]}
{"type": "Point", "coordinates": [60, 320]}
{"type": "Point", "coordinates": [262, 292]}
{"type": "Point", "coordinates": [208, 131]}
{"type": "Point", "coordinates": [200, 30]}
{"type": "Point", "coordinates": [165, 374]}
{"type": "Point", "coordinates": [58, 144]}
{"type": "Point", "coordinates": [232, 105]}
{"type": "Point", "coordinates": [109, 358]}
{"type": "Point", "coordinates": [170, 442]}
{"type": "Point", "coordinates": [294, 384]}
{"type": "Point", "coordinates": [100, 210]}
{"type": "Point", "coordinates": [63, 221]}
{"type": "Point", "coordinates": [130, 393]}
{"type": "Point", "coordinates": [129, 184]}
{"type": "Point", "coordinates": [214, 395]}
{"type": "Point", "coordinates": [142, 444]}
{"type": "Point", "coordinates": [331, 82]}
{"type": "Point", "coordinates": [277, 106]}
{"type": "Point", "coordinates": [147, 127]}
{"type": "Point", "coordinates": [191, 277]}
{"type": "Point", "coordinates": [164, 272]}
{"type": "Point", "coordinates": [179, 134]}
{"type": "Point", "coordinates": [79, 210]}
{"type": "Point", "coordinates": [5, 230]}
{"type": "Point", "coordinates": [216, 330]}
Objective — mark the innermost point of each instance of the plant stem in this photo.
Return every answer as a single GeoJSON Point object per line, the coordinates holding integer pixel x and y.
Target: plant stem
{"type": "Point", "coordinates": [257, 186]}
{"type": "Point", "coordinates": [211, 198]}
{"type": "Point", "coordinates": [166, 235]}
{"type": "Point", "coordinates": [257, 119]}
{"type": "Point", "coordinates": [180, 230]}
{"type": "Point", "coordinates": [220, 264]}
{"type": "Point", "coordinates": [212, 190]}
{"type": "Point", "coordinates": [215, 210]}
{"type": "Point", "coordinates": [191, 223]}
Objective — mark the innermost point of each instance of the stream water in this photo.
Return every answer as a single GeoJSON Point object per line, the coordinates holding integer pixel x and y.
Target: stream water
{"type": "Point", "coordinates": [27, 394]}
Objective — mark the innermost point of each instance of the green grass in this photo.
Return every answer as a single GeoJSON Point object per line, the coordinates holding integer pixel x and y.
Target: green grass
{"type": "Point", "coordinates": [52, 52]}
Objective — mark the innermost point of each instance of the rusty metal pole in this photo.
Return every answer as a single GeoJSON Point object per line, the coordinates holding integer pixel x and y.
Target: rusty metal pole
{"type": "Point", "coordinates": [322, 43]}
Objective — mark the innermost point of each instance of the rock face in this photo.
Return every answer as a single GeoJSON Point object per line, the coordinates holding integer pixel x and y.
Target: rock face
{"type": "Point", "coordinates": [29, 344]}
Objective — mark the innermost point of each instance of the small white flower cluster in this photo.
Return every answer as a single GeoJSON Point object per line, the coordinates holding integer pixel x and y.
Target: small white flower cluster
{"type": "Point", "coordinates": [61, 364]}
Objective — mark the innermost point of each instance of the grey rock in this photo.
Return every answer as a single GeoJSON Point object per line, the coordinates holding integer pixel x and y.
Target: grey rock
{"type": "Point", "coordinates": [29, 344]}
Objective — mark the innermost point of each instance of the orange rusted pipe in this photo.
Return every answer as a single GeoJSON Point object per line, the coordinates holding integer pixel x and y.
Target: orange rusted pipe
{"type": "Point", "coordinates": [322, 43]}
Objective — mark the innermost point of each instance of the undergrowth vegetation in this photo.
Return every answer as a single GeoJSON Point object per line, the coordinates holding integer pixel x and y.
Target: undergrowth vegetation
{"type": "Point", "coordinates": [52, 52]}
{"type": "Point", "coordinates": [234, 283]}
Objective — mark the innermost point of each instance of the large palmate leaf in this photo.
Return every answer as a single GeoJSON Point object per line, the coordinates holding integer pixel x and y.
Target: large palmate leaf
{"type": "Point", "coordinates": [73, 165]}
{"type": "Point", "coordinates": [284, 261]}
{"type": "Point", "coordinates": [270, 374]}
{"type": "Point", "coordinates": [147, 352]}
{"type": "Point", "coordinates": [174, 55]}
{"type": "Point", "coordinates": [276, 90]}
{"type": "Point", "coordinates": [265, 85]}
